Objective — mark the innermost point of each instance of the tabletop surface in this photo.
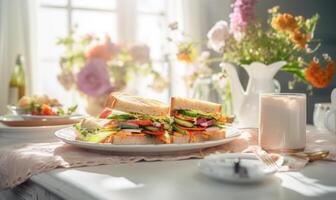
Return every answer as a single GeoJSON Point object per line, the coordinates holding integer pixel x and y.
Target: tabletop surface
{"type": "Point", "coordinates": [181, 180]}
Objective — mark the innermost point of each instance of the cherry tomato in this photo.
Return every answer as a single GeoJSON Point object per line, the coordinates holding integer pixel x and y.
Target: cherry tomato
{"type": "Point", "coordinates": [47, 110]}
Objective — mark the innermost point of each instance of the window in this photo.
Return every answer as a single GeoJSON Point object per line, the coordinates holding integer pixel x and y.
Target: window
{"type": "Point", "coordinates": [126, 21]}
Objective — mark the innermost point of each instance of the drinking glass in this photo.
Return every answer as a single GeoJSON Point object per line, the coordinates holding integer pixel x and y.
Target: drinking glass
{"type": "Point", "coordinates": [282, 123]}
{"type": "Point", "coordinates": [320, 110]}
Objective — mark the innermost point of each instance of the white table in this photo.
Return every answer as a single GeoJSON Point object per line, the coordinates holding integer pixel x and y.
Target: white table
{"type": "Point", "coordinates": [174, 180]}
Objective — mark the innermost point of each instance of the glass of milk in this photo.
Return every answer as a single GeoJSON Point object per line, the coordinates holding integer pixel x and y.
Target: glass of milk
{"type": "Point", "coordinates": [282, 123]}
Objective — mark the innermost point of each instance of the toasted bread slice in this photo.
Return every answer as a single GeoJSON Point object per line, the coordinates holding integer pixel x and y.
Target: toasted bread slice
{"type": "Point", "coordinates": [177, 103]}
{"type": "Point", "coordinates": [133, 139]}
{"type": "Point", "coordinates": [199, 136]}
{"type": "Point", "coordinates": [127, 138]}
{"type": "Point", "coordinates": [136, 104]}
{"type": "Point", "coordinates": [215, 134]}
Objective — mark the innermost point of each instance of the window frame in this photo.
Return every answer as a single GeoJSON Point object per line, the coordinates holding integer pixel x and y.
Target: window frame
{"type": "Point", "coordinates": [127, 14]}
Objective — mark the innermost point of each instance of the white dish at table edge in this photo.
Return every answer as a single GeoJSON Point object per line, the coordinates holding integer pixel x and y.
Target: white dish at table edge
{"type": "Point", "coordinates": [68, 135]}
{"type": "Point", "coordinates": [49, 117]}
{"type": "Point", "coordinates": [31, 129]}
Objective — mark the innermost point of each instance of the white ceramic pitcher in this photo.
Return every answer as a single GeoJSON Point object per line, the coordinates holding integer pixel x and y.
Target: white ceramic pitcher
{"type": "Point", "coordinates": [246, 103]}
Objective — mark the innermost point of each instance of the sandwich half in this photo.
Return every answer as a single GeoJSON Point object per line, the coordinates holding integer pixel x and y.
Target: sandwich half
{"type": "Point", "coordinates": [196, 121]}
{"type": "Point", "coordinates": [128, 119]}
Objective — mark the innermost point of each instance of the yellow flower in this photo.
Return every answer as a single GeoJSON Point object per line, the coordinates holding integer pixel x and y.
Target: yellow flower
{"type": "Point", "coordinates": [186, 53]}
{"type": "Point", "coordinates": [284, 23]}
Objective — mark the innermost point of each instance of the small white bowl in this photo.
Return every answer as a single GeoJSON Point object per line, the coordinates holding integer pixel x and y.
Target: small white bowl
{"type": "Point", "coordinates": [15, 110]}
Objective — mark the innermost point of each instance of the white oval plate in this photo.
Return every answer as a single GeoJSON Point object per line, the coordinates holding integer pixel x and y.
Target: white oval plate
{"type": "Point", "coordinates": [68, 136]}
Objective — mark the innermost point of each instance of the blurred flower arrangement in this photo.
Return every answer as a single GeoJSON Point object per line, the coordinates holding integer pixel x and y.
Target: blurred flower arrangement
{"type": "Point", "coordinates": [285, 37]}
{"type": "Point", "coordinates": [187, 52]}
{"type": "Point", "coordinates": [96, 66]}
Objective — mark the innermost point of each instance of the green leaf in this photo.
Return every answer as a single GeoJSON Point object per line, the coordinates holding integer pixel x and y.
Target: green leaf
{"type": "Point", "coordinates": [72, 109]}
{"type": "Point", "coordinates": [60, 111]}
{"type": "Point", "coordinates": [99, 137]}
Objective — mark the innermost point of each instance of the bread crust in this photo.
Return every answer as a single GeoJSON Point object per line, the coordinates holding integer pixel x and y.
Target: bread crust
{"type": "Point", "coordinates": [136, 104]}
{"type": "Point", "coordinates": [196, 137]}
{"type": "Point", "coordinates": [177, 103]}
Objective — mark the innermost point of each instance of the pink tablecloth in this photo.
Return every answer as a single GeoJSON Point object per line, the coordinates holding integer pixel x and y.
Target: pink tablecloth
{"type": "Point", "coordinates": [18, 163]}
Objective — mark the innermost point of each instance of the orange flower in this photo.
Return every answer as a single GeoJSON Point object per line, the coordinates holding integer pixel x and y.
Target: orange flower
{"type": "Point", "coordinates": [300, 39]}
{"type": "Point", "coordinates": [184, 57]}
{"type": "Point", "coordinates": [320, 77]}
{"type": "Point", "coordinates": [104, 50]}
{"type": "Point", "coordinates": [284, 23]}
{"type": "Point", "coordinates": [186, 53]}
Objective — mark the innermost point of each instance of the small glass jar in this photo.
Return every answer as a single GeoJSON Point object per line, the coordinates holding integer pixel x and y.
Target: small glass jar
{"type": "Point", "coordinates": [320, 110]}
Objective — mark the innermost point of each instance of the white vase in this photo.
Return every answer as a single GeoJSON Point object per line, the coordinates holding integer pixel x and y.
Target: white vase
{"type": "Point", "coordinates": [246, 103]}
{"type": "Point", "coordinates": [94, 105]}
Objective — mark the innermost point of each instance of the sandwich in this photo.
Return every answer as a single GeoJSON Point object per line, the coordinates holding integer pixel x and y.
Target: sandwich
{"type": "Point", "coordinates": [196, 120]}
{"type": "Point", "coordinates": [128, 119]}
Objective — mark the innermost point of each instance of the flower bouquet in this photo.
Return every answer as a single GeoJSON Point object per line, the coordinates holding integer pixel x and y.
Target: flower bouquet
{"type": "Point", "coordinates": [95, 67]}
{"type": "Point", "coordinates": [283, 38]}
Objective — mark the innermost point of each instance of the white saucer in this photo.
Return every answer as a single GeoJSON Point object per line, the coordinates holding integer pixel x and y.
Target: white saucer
{"type": "Point", "coordinates": [221, 167]}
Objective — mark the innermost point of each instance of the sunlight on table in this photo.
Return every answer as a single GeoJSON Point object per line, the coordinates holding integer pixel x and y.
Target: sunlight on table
{"type": "Point", "coordinates": [303, 185]}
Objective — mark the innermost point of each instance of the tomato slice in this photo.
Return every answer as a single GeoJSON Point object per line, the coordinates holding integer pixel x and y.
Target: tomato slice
{"type": "Point", "coordinates": [140, 122]}
{"type": "Point", "coordinates": [154, 132]}
{"type": "Point", "coordinates": [183, 117]}
{"type": "Point", "coordinates": [110, 126]}
{"type": "Point", "coordinates": [190, 129]}
{"type": "Point", "coordinates": [33, 112]}
{"type": "Point", "coordinates": [47, 110]}
{"type": "Point", "coordinates": [106, 112]}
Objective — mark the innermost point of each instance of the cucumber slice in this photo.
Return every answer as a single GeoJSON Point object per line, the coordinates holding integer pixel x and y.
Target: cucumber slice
{"type": "Point", "coordinates": [189, 113]}
{"type": "Point", "coordinates": [177, 129]}
{"type": "Point", "coordinates": [96, 138]}
{"type": "Point", "coordinates": [126, 126]}
{"type": "Point", "coordinates": [183, 123]}
{"type": "Point", "coordinates": [120, 117]}
{"type": "Point", "coordinates": [151, 128]}
{"type": "Point", "coordinates": [221, 125]}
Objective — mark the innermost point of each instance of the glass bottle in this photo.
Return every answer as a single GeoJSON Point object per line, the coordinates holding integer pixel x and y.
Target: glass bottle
{"type": "Point", "coordinates": [17, 82]}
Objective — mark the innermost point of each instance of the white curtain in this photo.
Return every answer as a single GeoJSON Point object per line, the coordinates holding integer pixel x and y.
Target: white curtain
{"type": "Point", "coordinates": [17, 36]}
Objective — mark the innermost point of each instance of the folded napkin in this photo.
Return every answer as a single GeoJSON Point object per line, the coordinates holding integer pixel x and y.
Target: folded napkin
{"type": "Point", "coordinates": [18, 163]}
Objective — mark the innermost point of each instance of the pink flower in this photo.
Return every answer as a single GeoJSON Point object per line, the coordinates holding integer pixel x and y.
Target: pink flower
{"type": "Point", "coordinates": [140, 53]}
{"type": "Point", "coordinates": [242, 15]}
{"type": "Point", "coordinates": [218, 35]}
{"type": "Point", "coordinates": [93, 79]}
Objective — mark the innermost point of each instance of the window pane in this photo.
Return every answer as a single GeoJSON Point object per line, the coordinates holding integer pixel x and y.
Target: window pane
{"type": "Point", "coordinates": [54, 2]}
{"type": "Point", "coordinates": [99, 23]}
{"type": "Point", "coordinates": [52, 25]}
{"type": "Point", "coordinates": [156, 6]}
{"type": "Point", "coordinates": [151, 30]}
{"type": "Point", "coordinates": [103, 4]}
